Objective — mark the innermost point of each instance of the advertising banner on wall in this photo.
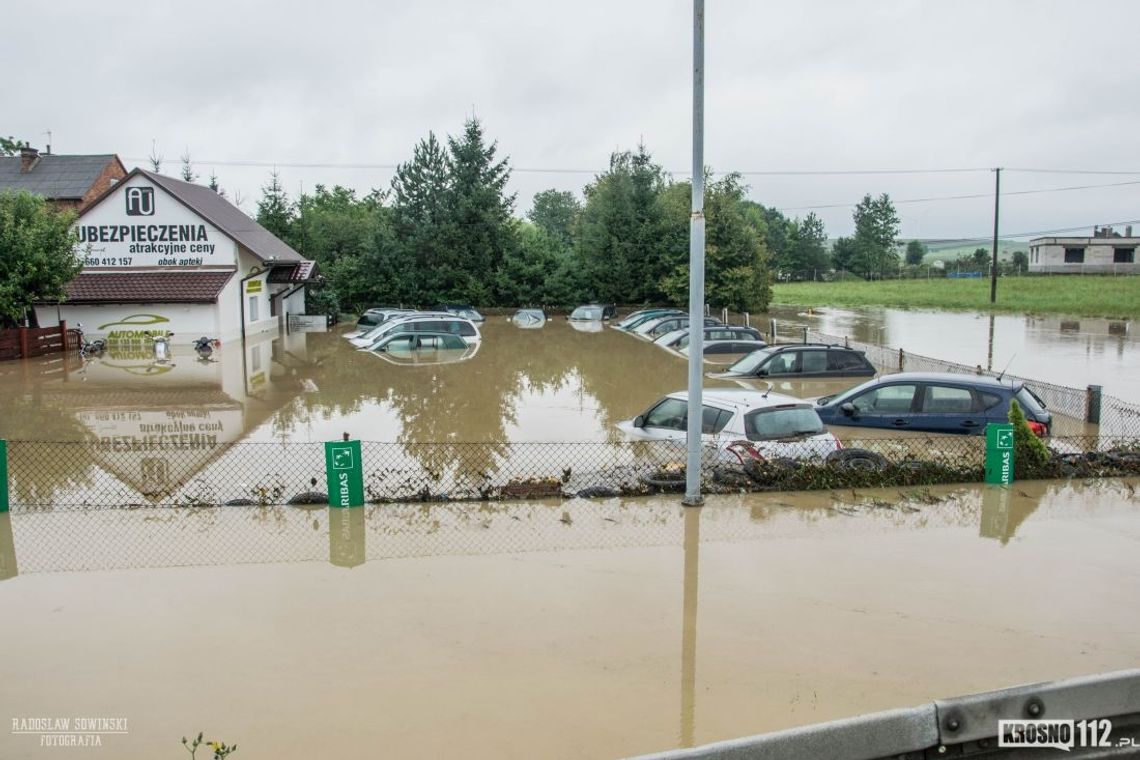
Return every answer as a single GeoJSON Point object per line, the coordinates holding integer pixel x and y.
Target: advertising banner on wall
{"type": "Point", "coordinates": [141, 225]}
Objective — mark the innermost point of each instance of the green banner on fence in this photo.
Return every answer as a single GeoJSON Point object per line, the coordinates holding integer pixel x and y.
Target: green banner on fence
{"type": "Point", "coordinates": [999, 453]}
{"type": "Point", "coordinates": [3, 476]}
{"type": "Point", "coordinates": [344, 473]}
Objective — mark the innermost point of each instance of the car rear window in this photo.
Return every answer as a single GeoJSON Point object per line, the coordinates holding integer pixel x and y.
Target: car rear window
{"type": "Point", "coordinates": [782, 422]}
{"type": "Point", "coordinates": [1029, 401]}
{"type": "Point", "coordinates": [841, 361]}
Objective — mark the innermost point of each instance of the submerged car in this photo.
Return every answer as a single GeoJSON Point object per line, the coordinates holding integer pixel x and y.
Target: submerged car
{"type": "Point", "coordinates": [465, 310]}
{"type": "Point", "coordinates": [678, 339]}
{"type": "Point", "coordinates": [726, 348]}
{"type": "Point", "coordinates": [373, 318]}
{"type": "Point", "coordinates": [424, 323]}
{"type": "Point", "coordinates": [655, 328]}
{"type": "Point", "coordinates": [739, 424]}
{"type": "Point", "coordinates": [633, 321]}
{"type": "Point", "coordinates": [593, 313]}
{"type": "Point", "coordinates": [529, 318]}
{"type": "Point", "coordinates": [801, 360]}
{"type": "Point", "coordinates": [423, 348]}
{"type": "Point", "coordinates": [934, 402]}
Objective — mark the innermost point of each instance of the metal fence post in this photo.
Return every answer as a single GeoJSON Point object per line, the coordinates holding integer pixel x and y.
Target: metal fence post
{"type": "Point", "coordinates": [805, 334]}
{"type": "Point", "coordinates": [846, 341]}
{"type": "Point", "coordinates": [773, 332]}
{"type": "Point", "coordinates": [1092, 404]}
{"type": "Point", "coordinates": [902, 360]}
{"type": "Point", "coordinates": [747, 319]}
{"type": "Point", "coordinates": [3, 476]}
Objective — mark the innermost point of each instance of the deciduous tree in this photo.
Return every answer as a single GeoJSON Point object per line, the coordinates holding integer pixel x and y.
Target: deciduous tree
{"type": "Point", "coordinates": [37, 253]}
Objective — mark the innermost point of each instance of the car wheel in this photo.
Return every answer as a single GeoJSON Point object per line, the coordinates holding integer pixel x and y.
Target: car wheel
{"type": "Point", "coordinates": [856, 459]}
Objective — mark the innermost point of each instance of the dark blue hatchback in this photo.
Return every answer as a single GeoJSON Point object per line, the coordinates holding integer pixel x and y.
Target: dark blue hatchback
{"type": "Point", "coordinates": [936, 402]}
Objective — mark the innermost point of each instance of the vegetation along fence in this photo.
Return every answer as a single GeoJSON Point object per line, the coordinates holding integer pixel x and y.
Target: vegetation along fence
{"type": "Point", "coordinates": [93, 474]}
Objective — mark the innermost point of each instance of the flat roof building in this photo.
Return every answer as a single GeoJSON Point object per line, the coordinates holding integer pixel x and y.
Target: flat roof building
{"type": "Point", "coordinates": [1106, 252]}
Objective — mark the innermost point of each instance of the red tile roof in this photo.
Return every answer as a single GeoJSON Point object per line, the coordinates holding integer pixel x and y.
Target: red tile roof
{"type": "Point", "coordinates": [147, 287]}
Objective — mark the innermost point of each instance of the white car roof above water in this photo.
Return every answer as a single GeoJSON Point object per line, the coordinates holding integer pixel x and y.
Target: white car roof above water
{"type": "Point", "coordinates": [742, 397]}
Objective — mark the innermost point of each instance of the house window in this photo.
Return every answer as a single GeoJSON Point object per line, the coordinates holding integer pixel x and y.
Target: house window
{"type": "Point", "coordinates": [1074, 255]}
{"type": "Point", "coordinates": [253, 315]}
{"type": "Point", "coordinates": [1123, 255]}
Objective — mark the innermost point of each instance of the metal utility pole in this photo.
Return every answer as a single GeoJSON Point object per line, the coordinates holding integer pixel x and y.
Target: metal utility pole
{"type": "Point", "coordinates": [993, 265]}
{"type": "Point", "coordinates": [696, 266]}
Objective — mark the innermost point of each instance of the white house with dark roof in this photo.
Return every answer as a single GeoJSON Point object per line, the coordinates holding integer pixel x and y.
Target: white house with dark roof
{"type": "Point", "coordinates": [167, 257]}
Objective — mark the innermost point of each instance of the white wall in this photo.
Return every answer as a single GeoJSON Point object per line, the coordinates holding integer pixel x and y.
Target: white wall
{"type": "Point", "coordinates": [172, 235]}
{"type": "Point", "coordinates": [136, 323]}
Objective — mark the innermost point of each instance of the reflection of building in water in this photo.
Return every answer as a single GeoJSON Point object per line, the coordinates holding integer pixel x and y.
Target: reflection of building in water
{"type": "Point", "coordinates": [152, 424]}
{"type": "Point", "coordinates": [1097, 335]}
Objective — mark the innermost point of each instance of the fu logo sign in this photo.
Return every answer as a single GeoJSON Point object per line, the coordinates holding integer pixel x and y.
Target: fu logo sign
{"type": "Point", "coordinates": [140, 201]}
{"type": "Point", "coordinates": [344, 474]}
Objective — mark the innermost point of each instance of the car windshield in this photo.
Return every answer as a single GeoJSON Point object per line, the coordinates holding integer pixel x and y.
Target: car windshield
{"type": "Point", "coordinates": [747, 365]}
{"type": "Point", "coordinates": [782, 422]}
{"type": "Point", "coordinates": [468, 314]}
{"type": "Point", "coordinates": [587, 312]}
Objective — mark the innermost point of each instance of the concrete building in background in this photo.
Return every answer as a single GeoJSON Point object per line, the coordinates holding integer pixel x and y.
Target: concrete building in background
{"type": "Point", "coordinates": [1106, 252]}
{"type": "Point", "coordinates": [69, 182]}
{"type": "Point", "coordinates": [167, 257]}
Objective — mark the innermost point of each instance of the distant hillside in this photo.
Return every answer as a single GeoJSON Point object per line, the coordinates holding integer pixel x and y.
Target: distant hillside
{"type": "Point", "coordinates": [952, 250]}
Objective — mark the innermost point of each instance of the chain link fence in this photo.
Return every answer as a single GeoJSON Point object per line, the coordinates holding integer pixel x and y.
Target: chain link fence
{"type": "Point", "coordinates": [81, 475]}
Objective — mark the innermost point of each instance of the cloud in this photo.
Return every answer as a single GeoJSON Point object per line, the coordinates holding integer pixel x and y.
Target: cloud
{"type": "Point", "coordinates": [814, 85]}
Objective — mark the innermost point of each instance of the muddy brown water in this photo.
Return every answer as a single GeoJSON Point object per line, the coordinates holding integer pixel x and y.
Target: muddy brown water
{"type": "Point", "coordinates": [577, 629]}
{"type": "Point", "coordinates": [1063, 350]}
{"type": "Point", "coordinates": [158, 425]}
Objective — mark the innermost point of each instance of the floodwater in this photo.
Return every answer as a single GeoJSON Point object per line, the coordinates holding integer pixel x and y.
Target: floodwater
{"type": "Point", "coordinates": [142, 430]}
{"type": "Point", "coordinates": [561, 630]}
{"type": "Point", "coordinates": [1072, 351]}
{"type": "Point", "coordinates": [556, 384]}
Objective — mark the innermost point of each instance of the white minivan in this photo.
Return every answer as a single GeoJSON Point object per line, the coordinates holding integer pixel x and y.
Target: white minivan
{"type": "Point", "coordinates": [433, 323]}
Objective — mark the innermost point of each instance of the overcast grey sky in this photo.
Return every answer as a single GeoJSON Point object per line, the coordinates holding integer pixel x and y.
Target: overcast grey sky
{"type": "Point", "coordinates": [805, 85]}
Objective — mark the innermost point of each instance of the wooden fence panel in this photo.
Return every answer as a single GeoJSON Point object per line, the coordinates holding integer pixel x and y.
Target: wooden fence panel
{"type": "Point", "coordinates": [27, 342]}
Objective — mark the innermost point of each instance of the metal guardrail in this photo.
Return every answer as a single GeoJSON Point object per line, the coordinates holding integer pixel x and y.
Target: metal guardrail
{"type": "Point", "coordinates": [961, 727]}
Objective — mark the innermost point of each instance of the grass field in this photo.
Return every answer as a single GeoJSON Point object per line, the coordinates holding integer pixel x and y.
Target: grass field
{"type": "Point", "coordinates": [1080, 296]}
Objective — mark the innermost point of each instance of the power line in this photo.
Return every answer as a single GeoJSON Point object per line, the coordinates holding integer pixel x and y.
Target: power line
{"type": "Point", "coordinates": [685, 172]}
{"type": "Point", "coordinates": [565, 170]}
{"type": "Point", "coordinates": [1070, 171]}
{"type": "Point", "coordinates": [1032, 233]}
{"type": "Point", "coordinates": [970, 196]}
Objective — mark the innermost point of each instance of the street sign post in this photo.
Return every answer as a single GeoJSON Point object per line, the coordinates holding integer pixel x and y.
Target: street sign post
{"type": "Point", "coordinates": [344, 473]}
{"type": "Point", "coordinates": [999, 454]}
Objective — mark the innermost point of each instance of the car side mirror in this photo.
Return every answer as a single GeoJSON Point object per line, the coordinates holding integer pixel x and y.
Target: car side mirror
{"type": "Point", "coordinates": [848, 409]}
{"type": "Point", "coordinates": [761, 372]}
{"type": "Point", "coordinates": [639, 421]}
